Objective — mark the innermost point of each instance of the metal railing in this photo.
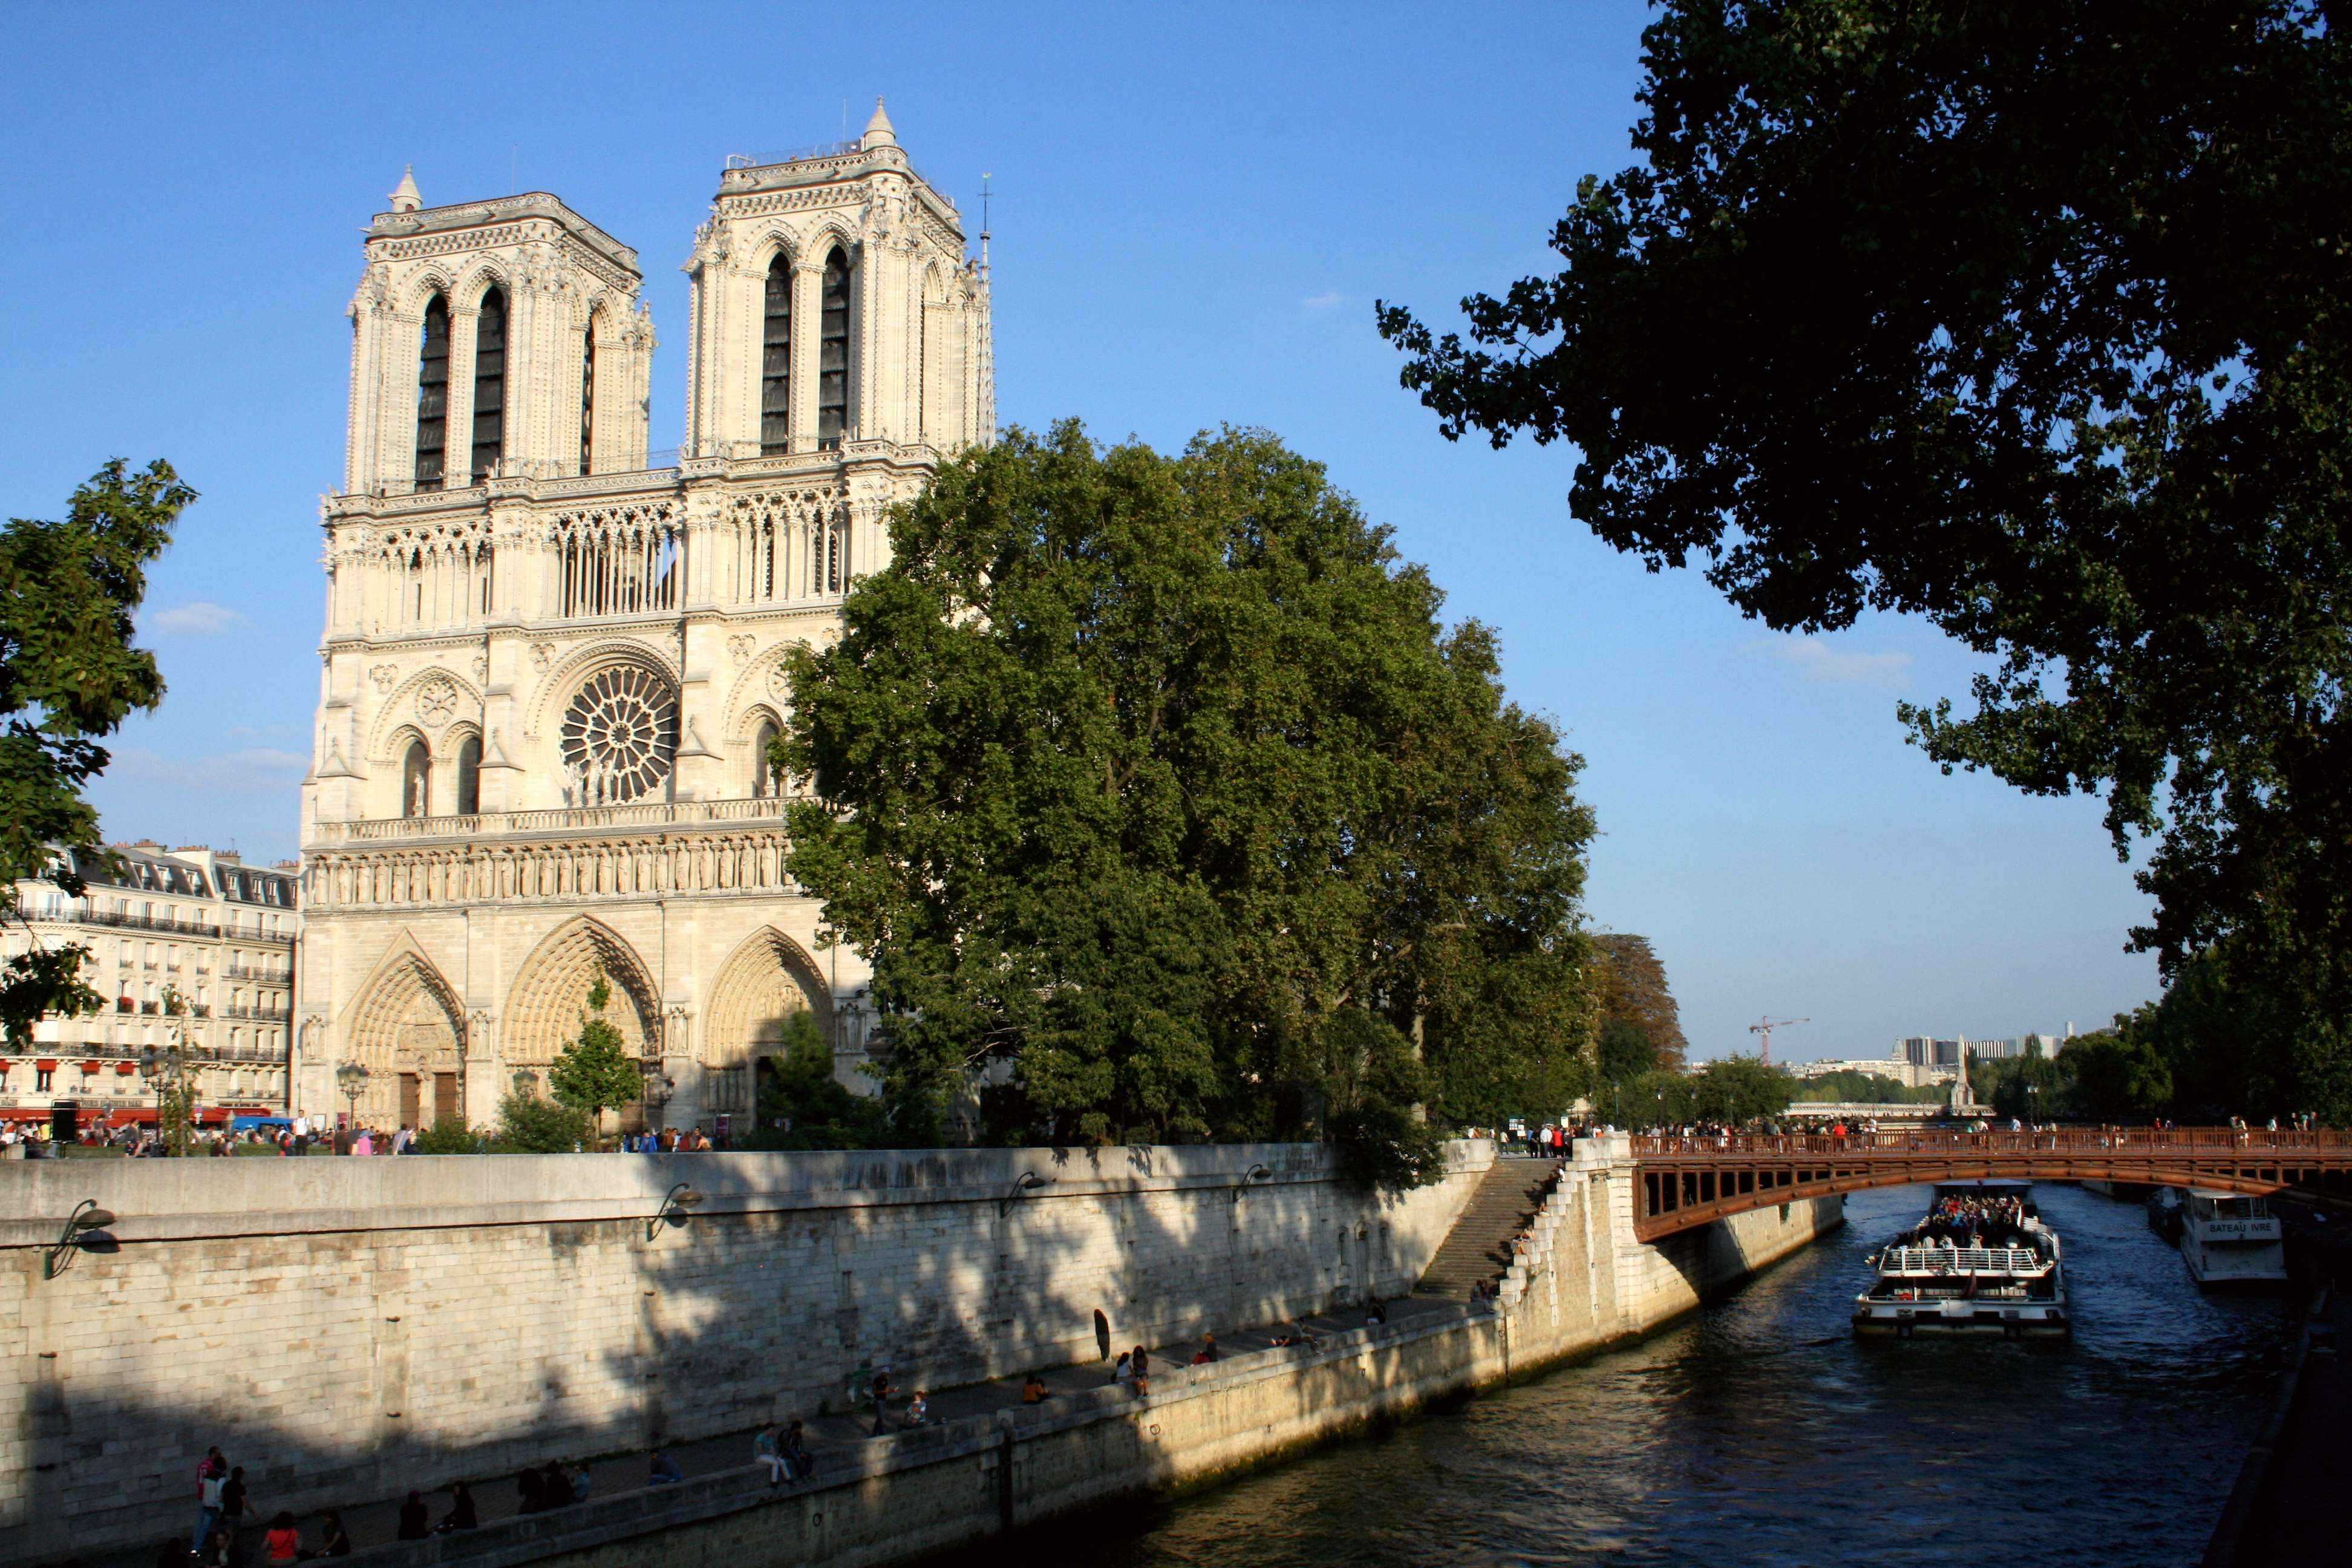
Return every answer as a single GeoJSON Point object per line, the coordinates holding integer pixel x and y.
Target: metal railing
{"type": "Point", "coordinates": [649, 814]}
{"type": "Point", "coordinates": [267, 1014]}
{"type": "Point", "coordinates": [1961, 1260]}
{"type": "Point", "coordinates": [1939, 1142]}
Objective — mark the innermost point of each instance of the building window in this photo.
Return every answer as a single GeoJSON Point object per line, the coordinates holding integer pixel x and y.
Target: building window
{"type": "Point", "coordinates": [490, 383]}
{"type": "Point", "coordinates": [764, 771]}
{"type": "Point", "coordinates": [619, 736]}
{"type": "Point", "coordinates": [415, 773]}
{"type": "Point", "coordinates": [587, 403]}
{"type": "Point", "coordinates": [433, 394]}
{"type": "Point", "coordinates": [44, 1079]}
{"type": "Point", "coordinates": [833, 355]}
{"type": "Point", "coordinates": [776, 360]}
{"type": "Point", "coordinates": [469, 780]}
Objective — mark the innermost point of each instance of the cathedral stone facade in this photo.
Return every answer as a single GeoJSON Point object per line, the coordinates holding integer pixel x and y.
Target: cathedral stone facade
{"type": "Point", "coordinates": [551, 669]}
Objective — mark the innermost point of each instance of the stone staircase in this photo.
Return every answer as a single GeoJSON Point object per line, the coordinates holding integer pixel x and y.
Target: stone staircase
{"type": "Point", "coordinates": [1478, 1248]}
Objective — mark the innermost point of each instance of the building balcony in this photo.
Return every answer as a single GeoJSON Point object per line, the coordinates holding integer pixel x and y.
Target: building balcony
{"type": "Point", "coordinates": [265, 1015]}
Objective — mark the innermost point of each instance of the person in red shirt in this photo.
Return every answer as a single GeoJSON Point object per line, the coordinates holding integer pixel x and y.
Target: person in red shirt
{"type": "Point", "coordinates": [284, 1541]}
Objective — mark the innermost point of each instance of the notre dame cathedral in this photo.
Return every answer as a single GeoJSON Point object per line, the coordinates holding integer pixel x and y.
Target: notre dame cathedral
{"type": "Point", "coordinates": [551, 660]}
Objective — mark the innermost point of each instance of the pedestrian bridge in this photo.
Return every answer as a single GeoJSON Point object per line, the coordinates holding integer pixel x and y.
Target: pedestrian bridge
{"type": "Point", "coordinates": [1686, 1182]}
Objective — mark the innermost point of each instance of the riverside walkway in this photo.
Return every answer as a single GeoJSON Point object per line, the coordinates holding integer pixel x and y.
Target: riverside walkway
{"type": "Point", "coordinates": [497, 1497]}
{"type": "Point", "coordinates": [1691, 1180]}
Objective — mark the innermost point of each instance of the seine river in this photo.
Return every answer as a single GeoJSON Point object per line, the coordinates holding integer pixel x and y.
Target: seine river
{"type": "Point", "coordinates": [1757, 1432]}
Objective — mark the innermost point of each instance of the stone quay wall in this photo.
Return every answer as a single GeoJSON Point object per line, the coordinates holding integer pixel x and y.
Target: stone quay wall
{"type": "Point", "coordinates": [351, 1328]}
{"type": "Point", "coordinates": [1576, 1286]}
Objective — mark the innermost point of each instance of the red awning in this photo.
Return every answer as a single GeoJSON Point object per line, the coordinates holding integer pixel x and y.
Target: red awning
{"type": "Point", "coordinates": [124, 1069]}
{"type": "Point", "coordinates": [24, 1115]}
{"type": "Point", "coordinates": [48, 1066]}
{"type": "Point", "coordinates": [89, 1067]}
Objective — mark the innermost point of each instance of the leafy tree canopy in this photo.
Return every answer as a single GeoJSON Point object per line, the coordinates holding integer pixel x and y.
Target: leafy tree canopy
{"type": "Point", "coordinates": [68, 676]}
{"type": "Point", "coordinates": [1156, 782]}
{"type": "Point", "coordinates": [1849, 1087]}
{"type": "Point", "coordinates": [2028, 317]}
{"type": "Point", "coordinates": [595, 1071]}
{"type": "Point", "coordinates": [1634, 991]}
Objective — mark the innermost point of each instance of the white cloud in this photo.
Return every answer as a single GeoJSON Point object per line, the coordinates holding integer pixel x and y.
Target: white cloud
{"type": "Point", "coordinates": [246, 769]}
{"type": "Point", "coordinates": [198, 619]}
{"type": "Point", "coordinates": [1323, 301]}
{"type": "Point", "coordinates": [1818, 661]}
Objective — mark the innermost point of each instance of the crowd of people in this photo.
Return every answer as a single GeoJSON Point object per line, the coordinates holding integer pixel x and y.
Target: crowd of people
{"type": "Point", "coordinates": [1973, 1220]}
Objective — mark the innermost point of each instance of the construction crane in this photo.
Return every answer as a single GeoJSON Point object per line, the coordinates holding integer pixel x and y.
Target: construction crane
{"type": "Point", "coordinates": [1764, 1027]}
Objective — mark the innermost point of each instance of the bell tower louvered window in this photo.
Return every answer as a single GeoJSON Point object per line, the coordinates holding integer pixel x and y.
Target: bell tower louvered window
{"type": "Point", "coordinates": [588, 402]}
{"type": "Point", "coordinates": [833, 355]}
{"type": "Point", "coordinates": [433, 394]}
{"type": "Point", "coordinates": [490, 385]}
{"type": "Point", "coordinates": [776, 360]}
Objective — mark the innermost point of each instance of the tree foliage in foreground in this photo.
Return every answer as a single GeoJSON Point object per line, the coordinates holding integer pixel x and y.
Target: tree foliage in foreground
{"type": "Point", "coordinates": [1157, 793]}
{"type": "Point", "coordinates": [68, 676]}
{"type": "Point", "coordinates": [804, 1106]}
{"type": "Point", "coordinates": [595, 1072]}
{"type": "Point", "coordinates": [2028, 317]}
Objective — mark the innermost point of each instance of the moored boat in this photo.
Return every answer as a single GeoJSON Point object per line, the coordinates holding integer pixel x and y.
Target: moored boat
{"type": "Point", "coordinates": [2231, 1240]}
{"type": "Point", "coordinates": [1980, 1262]}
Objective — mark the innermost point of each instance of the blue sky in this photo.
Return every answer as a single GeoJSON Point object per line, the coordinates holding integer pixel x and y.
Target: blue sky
{"type": "Point", "coordinates": [1196, 207]}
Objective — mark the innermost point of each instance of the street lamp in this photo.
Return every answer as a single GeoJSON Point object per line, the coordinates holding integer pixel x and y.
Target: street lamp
{"type": "Point", "coordinates": [352, 1077]}
{"type": "Point", "coordinates": [84, 1232]}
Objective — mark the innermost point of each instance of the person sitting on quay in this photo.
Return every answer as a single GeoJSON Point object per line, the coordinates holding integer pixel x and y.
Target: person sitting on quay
{"type": "Point", "coordinates": [463, 1514]}
{"type": "Point", "coordinates": [334, 1540]}
{"type": "Point", "coordinates": [766, 1450]}
{"type": "Point", "coordinates": [414, 1520]}
{"type": "Point", "coordinates": [798, 1461]}
{"type": "Point", "coordinates": [882, 1391]}
{"type": "Point", "coordinates": [580, 1482]}
{"type": "Point", "coordinates": [1207, 1355]}
{"type": "Point", "coordinates": [661, 1470]}
{"type": "Point", "coordinates": [1140, 1365]}
{"type": "Point", "coordinates": [919, 1411]}
{"type": "Point", "coordinates": [1032, 1389]}
{"type": "Point", "coordinates": [284, 1542]}
{"type": "Point", "coordinates": [1123, 1372]}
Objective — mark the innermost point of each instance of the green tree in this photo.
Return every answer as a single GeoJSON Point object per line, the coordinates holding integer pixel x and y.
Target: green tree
{"type": "Point", "coordinates": [1633, 991]}
{"type": "Point", "coordinates": [804, 1106]}
{"type": "Point", "coordinates": [2031, 1088]}
{"type": "Point", "coordinates": [1627, 1051]}
{"type": "Point", "coordinates": [449, 1135]}
{"type": "Point", "coordinates": [2119, 1075]}
{"type": "Point", "coordinates": [1133, 773]}
{"type": "Point", "coordinates": [2027, 317]}
{"type": "Point", "coordinates": [528, 1124]}
{"type": "Point", "coordinates": [593, 1072]}
{"type": "Point", "coordinates": [68, 676]}
{"type": "Point", "coordinates": [1737, 1091]}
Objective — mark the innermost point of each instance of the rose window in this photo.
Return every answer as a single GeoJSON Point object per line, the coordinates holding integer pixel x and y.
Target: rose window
{"type": "Point", "coordinates": [619, 737]}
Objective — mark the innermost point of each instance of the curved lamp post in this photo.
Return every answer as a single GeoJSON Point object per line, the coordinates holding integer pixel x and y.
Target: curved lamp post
{"type": "Point", "coordinates": [1026, 1183]}
{"type": "Point", "coordinates": [84, 1232]}
{"type": "Point", "coordinates": [677, 1206]}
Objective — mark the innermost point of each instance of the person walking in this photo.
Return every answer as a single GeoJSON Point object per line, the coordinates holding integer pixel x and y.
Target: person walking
{"type": "Point", "coordinates": [231, 1511]}
{"type": "Point", "coordinates": [210, 1484]}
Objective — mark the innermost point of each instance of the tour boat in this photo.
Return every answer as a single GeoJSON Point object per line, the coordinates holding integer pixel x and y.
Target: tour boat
{"type": "Point", "coordinates": [1980, 1262]}
{"type": "Point", "coordinates": [2232, 1240]}
{"type": "Point", "coordinates": [2164, 1216]}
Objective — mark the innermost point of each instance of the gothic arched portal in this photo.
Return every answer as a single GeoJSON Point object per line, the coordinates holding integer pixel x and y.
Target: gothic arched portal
{"type": "Point", "coordinates": [551, 994]}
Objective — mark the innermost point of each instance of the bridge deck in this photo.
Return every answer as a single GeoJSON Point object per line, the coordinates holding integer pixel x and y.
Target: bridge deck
{"type": "Point", "coordinates": [1689, 1182]}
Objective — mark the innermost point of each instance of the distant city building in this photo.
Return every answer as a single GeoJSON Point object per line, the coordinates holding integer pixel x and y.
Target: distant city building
{"type": "Point", "coordinates": [1897, 1069]}
{"type": "Point", "coordinates": [193, 921]}
{"type": "Point", "coordinates": [1943, 1056]}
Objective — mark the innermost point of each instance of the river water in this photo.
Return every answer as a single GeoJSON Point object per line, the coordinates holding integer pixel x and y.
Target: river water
{"type": "Point", "coordinates": [1758, 1431]}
